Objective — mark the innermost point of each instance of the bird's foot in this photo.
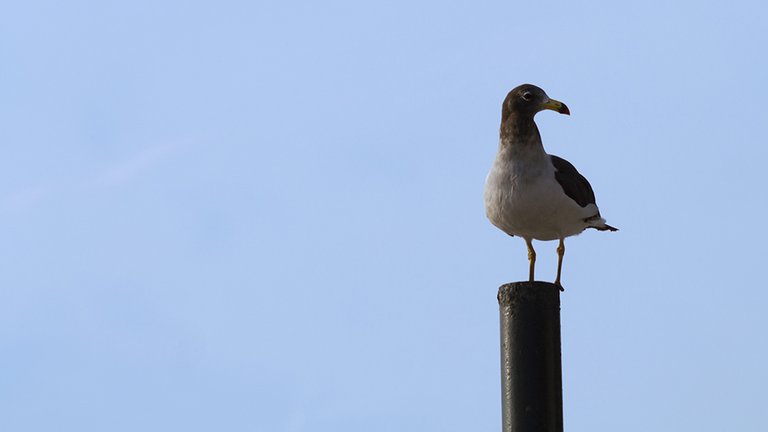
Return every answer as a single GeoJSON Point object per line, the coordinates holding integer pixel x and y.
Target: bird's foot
{"type": "Point", "coordinates": [559, 285]}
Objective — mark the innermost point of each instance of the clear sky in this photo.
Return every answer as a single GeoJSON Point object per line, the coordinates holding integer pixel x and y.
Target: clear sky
{"type": "Point", "coordinates": [267, 216]}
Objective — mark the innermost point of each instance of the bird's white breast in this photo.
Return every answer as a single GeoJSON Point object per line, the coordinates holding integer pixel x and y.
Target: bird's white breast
{"type": "Point", "coordinates": [523, 198]}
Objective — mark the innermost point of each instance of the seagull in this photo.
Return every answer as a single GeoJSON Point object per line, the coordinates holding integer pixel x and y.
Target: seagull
{"type": "Point", "coordinates": [532, 194]}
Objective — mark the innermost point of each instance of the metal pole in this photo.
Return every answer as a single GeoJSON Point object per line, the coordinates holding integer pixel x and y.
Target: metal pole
{"type": "Point", "coordinates": [531, 372]}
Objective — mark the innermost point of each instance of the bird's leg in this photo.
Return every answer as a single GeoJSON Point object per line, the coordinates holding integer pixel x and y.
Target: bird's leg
{"type": "Point", "coordinates": [560, 253]}
{"type": "Point", "coordinates": [531, 258]}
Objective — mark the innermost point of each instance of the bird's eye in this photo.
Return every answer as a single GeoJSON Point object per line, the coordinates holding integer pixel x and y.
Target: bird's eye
{"type": "Point", "coordinates": [527, 96]}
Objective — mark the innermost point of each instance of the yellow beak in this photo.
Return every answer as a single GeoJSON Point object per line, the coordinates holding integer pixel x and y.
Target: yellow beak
{"type": "Point", "coordinates": [556, 105]}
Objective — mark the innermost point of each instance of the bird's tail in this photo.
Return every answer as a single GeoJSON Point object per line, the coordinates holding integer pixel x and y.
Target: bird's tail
{"type": "Point", "coordinates": [599, 224]}
{"type": "Point", "coordinates": [605, 227]}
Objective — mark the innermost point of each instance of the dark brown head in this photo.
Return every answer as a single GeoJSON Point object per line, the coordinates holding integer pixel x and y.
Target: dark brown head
{"type": "Point", "coordinates": [526, 100]}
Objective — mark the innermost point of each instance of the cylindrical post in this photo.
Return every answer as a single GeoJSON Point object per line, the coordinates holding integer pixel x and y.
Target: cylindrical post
{"type": "Point", "coordinates": [531, 372]}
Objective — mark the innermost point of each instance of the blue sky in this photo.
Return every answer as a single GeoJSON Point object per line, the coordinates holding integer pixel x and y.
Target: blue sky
{"type": "Point", "coordinates": [267, 216]}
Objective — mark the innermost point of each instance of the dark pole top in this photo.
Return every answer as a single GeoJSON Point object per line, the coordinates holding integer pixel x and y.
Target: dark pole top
{"type": "Point", "coordinates": [545, 293]}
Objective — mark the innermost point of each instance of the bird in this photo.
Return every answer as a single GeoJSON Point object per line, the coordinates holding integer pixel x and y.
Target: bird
{"type": "Point", "coordinates": [531, 194]}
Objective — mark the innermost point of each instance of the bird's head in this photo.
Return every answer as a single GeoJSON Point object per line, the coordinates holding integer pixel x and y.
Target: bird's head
{"type": "Point", "coordinates": [527, 99]}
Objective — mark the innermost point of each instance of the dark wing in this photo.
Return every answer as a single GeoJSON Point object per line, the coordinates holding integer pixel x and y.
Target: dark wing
{"type": "Point", "coordinates": [574, 184]}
